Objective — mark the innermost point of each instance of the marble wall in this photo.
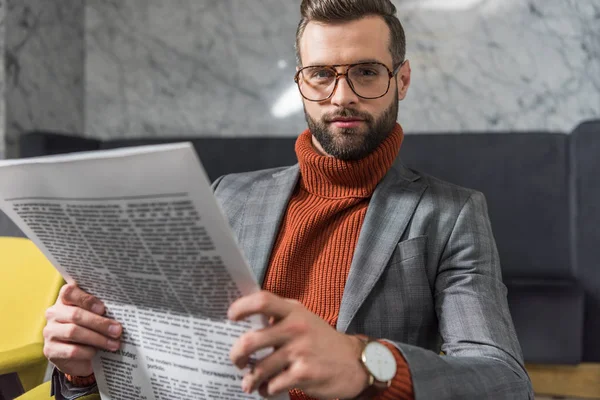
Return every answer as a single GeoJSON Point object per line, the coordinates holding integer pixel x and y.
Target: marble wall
{"type": "Point", "coordinates": [206, 67]}
{"type": "Point", "coordinates": [43, 47]}
{"type": "Point", "coordinates": [183, 67]}
{"type": "Point", "coordinates": [505, 65]}
{"type": "Point", "coordinates": [110, 68]}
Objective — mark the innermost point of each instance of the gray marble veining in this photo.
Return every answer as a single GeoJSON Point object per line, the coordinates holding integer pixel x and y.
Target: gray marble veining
{"type": "Point", "coordinates": [109, 68]}
{"type": "Point", "coordinates": [505, 65]}
{"type": "Point", "coordinates": [192, 67]}
{"type": "Point", "coordinates": [206, 67]}
{"type": "Point", "coordinates": [44, 60]}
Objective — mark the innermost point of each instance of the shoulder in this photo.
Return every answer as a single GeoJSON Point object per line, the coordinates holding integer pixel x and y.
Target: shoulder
{"type": "Point", "coordinates": [441, 200]}
{"type": "Point", "coordinates": [434, 187]}
{"type": "Point", "coordinates": [447, 192]}
{"type": "Point", "coordinates": [445, 209]}
{"type": "Point", "coordinates": [233, 191]}
{"type": "Point", "coordinates": [230, 185]}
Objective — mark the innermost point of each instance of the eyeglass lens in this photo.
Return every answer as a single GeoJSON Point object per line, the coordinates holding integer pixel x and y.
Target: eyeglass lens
{"type": "Point", "coordinates": [367, 80]}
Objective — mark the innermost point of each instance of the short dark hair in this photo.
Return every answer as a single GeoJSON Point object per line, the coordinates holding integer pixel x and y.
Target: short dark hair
{"type": "Point", "coordinates": [332, 11]}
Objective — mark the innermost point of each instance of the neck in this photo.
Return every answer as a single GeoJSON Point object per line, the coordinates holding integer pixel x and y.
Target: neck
{"type": "Point", "coordinates": [328, 176]}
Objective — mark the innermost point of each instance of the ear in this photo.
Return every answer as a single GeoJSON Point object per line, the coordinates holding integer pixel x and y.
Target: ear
{"type": "Point", "coordinates": [403, 80]}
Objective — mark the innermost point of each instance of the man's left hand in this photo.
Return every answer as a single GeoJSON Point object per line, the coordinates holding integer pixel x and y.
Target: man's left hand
{"type": "Point", "coordinates": [309, 354]}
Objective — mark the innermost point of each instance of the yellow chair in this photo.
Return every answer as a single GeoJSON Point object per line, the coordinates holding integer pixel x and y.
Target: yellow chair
{"type": "Point", "coordinates": [42, 392]}
{"type": "Point", "coordinates": [29, 284]}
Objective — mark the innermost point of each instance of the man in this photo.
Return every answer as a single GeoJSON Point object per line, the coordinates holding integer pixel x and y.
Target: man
{"type": "Point", "coordinates": [369, 269]}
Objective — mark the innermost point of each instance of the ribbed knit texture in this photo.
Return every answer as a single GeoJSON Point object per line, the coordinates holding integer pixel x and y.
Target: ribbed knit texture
{"type": "Point", "coordinates": [311, 258]}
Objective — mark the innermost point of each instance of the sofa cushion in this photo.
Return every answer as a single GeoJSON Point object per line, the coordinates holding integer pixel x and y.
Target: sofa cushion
{"type": "Point", "coordinates": [548, 318]}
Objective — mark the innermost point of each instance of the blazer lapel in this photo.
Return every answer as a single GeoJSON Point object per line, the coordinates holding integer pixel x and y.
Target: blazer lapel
{"type": "Point", "coordinates": [263, 213]}
{"type": "Point", "coordinates": [390, 209]}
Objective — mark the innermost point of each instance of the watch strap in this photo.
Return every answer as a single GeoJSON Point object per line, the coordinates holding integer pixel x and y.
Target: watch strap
{"type": "Point", "coordinates": [375, 387]}
{"type": "Point", "coordinates": [81, 381]}
{"type": "Point", "coordinates": [369, 393]}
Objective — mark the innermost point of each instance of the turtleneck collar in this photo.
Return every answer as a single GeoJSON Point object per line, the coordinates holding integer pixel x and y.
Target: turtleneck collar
{"type": "Point", "coordinates": [330, 177]}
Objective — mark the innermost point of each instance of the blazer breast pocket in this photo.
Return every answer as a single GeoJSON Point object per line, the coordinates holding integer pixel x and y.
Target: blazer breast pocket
{"type": "Point", "coordinates": [411, 248]}
{"type": "Point", "coordinates": [410, 257]}
{"type": "Point", "coordinates": [401, 306]}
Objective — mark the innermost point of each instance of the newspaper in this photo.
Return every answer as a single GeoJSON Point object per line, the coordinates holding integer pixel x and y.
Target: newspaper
{"type": "Point", "coordinates": [140, 229]}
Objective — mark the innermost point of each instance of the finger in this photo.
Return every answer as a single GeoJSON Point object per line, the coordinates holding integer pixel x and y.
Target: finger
{"type": "Point", "coordinates": [261, 302]}
{"type": "Point", "coordinates": [250, 342]}
{"type": "Point", "coordinates": [57, 351]}
{"type": "Point", "coordinates": [72, 333]}
{"type": "Point", "coordinates": [265, 369]}
{"type": "Point", "coordinates": [72, 295]}
{"type": "Point", "coordinates": [281, 383]}
{"type": "Point", "coordinates": [78, 316]}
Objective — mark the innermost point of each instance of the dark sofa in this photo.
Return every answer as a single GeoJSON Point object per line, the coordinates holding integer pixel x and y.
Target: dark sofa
{"type": "Point", "coordinates": [543, 193]}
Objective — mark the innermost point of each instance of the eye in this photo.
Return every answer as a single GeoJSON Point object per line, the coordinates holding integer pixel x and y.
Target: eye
{"type": "Point", "coordinates": [321, 73]}
{"type": "Point", "coordinates": [367, 72]}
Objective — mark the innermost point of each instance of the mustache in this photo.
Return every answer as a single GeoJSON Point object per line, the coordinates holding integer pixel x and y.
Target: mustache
{"type": "Point", "coordinates": [347, 113]}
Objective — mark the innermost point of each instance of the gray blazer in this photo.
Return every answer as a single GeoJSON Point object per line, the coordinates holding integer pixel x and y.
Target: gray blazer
{"type": "Point", "coordinates": [425, 276]}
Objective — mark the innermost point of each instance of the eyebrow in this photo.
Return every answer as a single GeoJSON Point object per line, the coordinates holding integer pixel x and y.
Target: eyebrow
{"type": "Point", "coordinates": [369, 60]}
{"type": "Point", "coordinates": [362, 60]}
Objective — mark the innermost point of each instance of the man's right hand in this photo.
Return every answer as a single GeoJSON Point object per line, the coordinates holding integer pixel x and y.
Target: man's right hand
{"type": "Point", "coordinates": [76, 329]}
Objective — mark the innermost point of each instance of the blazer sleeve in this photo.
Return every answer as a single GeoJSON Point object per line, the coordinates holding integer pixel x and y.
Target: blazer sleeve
{"type": "Point", "coordinates": [61, 389]}
{"type": "Point", "coordinates": [482, 354]}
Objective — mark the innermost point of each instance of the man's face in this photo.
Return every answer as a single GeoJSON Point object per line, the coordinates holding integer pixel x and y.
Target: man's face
{"type": "Point", "coordinates": [347, 126]}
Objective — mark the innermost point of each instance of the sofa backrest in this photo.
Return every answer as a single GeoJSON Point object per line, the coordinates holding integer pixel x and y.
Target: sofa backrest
{"type": "Point", "coordinates": [543, 193]}
{"type": "Point", "coordinates": [525, 178]}
{"type": "Point", "coordinates": [221, 156]}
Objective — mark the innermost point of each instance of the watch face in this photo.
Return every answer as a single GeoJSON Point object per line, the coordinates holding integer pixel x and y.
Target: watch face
{"type": "Point", "coordinates": [380, 361]}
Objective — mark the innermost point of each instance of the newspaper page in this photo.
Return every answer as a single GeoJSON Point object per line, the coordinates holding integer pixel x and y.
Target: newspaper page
{"type": "Point", "coordinates": [140, 229]}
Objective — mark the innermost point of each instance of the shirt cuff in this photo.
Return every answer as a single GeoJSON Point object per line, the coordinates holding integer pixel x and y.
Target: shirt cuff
{"type": "Point", "coordinates": [64, 390]}
{"type": "Point", "coordinates": [401, 387]}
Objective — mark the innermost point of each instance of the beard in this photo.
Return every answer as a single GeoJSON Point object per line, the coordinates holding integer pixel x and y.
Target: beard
{"type": "Point", "coordinates": [353, 143]}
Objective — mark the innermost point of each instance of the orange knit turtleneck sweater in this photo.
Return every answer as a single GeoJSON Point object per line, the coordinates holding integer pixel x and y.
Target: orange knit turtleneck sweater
{"type": "Point", "coordinates": [311, 258]}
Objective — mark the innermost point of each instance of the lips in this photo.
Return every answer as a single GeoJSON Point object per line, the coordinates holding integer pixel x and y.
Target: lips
{"type": "Point", "coordinates": [346, 123]}
{"type": "Point", "coordinates": [346, 120]}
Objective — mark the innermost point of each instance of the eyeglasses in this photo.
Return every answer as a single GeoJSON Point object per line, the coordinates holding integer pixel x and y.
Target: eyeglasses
{"type": "Point", "coordinates": [369, 80]}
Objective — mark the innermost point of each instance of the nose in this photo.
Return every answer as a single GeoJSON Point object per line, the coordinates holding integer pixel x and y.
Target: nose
{"type": "Point", "coordinates": [343, 95]}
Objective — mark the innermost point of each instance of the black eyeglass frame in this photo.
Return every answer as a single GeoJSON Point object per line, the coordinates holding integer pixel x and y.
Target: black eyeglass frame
{"type": "Point", "coordinates": [391, 74]}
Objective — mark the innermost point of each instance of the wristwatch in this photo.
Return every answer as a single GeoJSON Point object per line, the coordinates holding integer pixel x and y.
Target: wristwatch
{"type": "Point", "coordinates": [380, 364]}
